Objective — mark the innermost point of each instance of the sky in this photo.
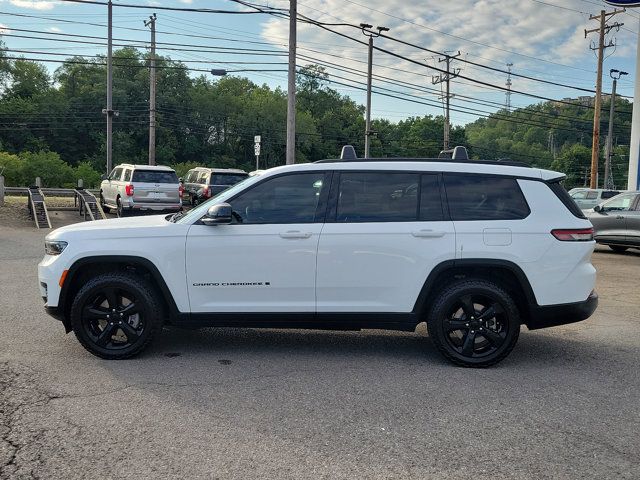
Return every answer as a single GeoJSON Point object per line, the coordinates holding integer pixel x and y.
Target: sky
{"type": "Point", "coordinates": [543, 40]}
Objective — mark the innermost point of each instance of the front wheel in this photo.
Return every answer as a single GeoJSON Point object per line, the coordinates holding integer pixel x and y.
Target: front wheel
{"type": "Point", "coordinates": [116, 315]}
{"type": "Point", "coordinates": [474, 323]}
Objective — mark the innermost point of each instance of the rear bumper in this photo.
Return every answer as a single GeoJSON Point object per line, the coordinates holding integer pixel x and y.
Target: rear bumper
{"type": "Point", "coordinates": [554, 315]}
{"type": "Point", "coordinates": [153, 206]}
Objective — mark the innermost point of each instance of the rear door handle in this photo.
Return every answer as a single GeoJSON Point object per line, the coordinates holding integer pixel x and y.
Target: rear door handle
{"type": "Point", "coordinates": [295, 234]}
{"type": "Point", "coordinates": [428, 233]}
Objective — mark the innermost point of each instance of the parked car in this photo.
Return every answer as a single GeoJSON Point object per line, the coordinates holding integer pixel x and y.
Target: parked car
{"type": "Point", "coordinates": [141, 187]}
{"type": "Point", "coordinates": [587, 198]}
{"type": "Point", "coordinates": [616, 222]}
{"type": "Point", "coordinates": [203, 183]}
{"type": "Point", "coordinates": [475, 249]}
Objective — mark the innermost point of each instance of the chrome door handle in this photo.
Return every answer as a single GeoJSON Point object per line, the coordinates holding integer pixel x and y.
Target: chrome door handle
{"type": "Point", "coordinates": [295, 234]}
{"type": "Point", "coordinates": [428, 233]}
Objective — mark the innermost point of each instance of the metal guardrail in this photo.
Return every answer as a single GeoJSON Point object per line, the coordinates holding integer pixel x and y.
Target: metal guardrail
{"type": "Point", "coordinates": [59, 192]}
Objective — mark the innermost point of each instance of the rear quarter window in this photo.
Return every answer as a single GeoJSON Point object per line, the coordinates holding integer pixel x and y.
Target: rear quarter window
{"type": "Point", "coordinates": [484, 197]}
{"type": "Point", "coordinates": [153, 176]}
{"type": "Point", "coordinates": [227, 179]}
{"type": "Point", "coordinates": [559, 191]}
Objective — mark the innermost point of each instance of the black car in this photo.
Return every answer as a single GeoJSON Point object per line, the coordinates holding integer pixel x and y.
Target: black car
{"type": "Point", "coordinates": [202, 183]}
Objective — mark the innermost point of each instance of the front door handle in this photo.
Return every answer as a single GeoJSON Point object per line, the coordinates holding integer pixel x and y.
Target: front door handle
{"type": "Point", "coordinates": [428, 233]}
{"type": "Point", "coordinates": [619, 217]}
{"type": "Point", "coordinates": [295, 234]}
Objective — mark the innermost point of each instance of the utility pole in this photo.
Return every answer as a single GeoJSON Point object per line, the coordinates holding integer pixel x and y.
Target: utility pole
{"type": "Point", "coordinates": [446, 79]}
{"type": "Point", "coordinates": [508, 84]}
{"type": "Point", "coordinates": [152, 90]}
{"type": "Point", "coordinates": [109, 110]}
{"type": "Point", "coordinates": [602, 30]}
{"type": "Point", "coordinates": [291, 87]}
{"type": "Point", "coordinates": [367, 129]}
{"type": "Point", "coordinates": [608, 179]}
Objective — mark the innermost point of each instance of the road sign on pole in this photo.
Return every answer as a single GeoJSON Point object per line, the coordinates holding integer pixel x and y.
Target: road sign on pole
{"type": "Point", "coordinates": [256, 149]}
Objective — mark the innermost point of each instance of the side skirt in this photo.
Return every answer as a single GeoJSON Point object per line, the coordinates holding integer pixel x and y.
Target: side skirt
{"type": "Point", "coordinates": [304, 320]}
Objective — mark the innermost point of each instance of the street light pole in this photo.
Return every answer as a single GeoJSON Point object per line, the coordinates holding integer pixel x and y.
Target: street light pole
{"type": "Point", "coordinates": [109, 109]}
{"type": "Point", "coordinates": [367, 129]}
{"type": "Point", "coordinates": [608, 180]}
{"type": "Point", "coordinates": [291, 85]}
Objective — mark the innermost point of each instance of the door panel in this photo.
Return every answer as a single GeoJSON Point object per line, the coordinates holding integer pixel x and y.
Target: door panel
{"type": "Point", "coordinates": [633, 223]}
{"type": "Point", "coordinates": [266, 261]}
{"type": "Point", "coordinates": [381, 242]}
{"type": "Point", "coordinates": [252, 268]}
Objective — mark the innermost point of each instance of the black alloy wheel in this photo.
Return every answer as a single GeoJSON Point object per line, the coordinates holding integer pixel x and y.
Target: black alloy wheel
{"type": "Point", "coordinates": [115, 315]}
{"type": "Point", "coordinates": [474, 323]}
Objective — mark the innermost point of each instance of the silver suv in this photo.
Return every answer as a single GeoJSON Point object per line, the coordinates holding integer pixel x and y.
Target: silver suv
{"type": "Point", "coordinates": [141, 187]}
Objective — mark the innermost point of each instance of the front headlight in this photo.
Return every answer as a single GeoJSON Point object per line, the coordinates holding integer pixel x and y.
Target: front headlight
{"type": "Point", "coordinates": [53, 247]}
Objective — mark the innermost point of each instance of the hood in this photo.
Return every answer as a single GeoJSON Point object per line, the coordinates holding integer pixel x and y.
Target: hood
{"type": "Point", "coordinates": [113, 227]}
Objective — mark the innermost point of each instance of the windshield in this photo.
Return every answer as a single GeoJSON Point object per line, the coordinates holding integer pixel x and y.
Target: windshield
{"type": "Point", "coordinates": [198, 212]}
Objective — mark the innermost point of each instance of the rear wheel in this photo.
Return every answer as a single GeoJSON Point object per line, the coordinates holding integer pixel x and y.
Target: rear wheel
{"type": "Point", "coordinates": [105, 209]}
{"type": "Point", "coordinates": [116, 315]}
{"type": "Point", "coordinates": [474, 323]}
{"type": "Point", "coordinates": [618, 248]}
{"type": "Point", "coordinates": [122, 212]}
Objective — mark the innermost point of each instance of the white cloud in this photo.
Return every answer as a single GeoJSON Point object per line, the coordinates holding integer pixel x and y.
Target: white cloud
{"type": "Point", "coordinates": [54, 29]}
{"type": "Point", "coordinates": [4, 29]}
{"type": "Point", "coordinates": [34, 4]}
{"type": "Point", "coordinates": [188, 2]}
{"type": "Point", "coordinates": [541, 41]}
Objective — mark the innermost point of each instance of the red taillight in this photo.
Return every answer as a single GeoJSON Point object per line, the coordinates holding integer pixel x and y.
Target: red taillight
{"type": "Point", "coordinates": [573, 234]}
{"type": "Point", "coordinates": [128, 189]}
{"type": "Point", "coordinates": [181, 191]}
{"type": "Point", "coordinates": [206, 193]}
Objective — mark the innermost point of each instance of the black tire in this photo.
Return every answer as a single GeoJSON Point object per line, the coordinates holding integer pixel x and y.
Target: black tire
{"type": "Point", "coordinates": [195, 201]}
{"type": "Point", "coordinates": [116, 315]}
{"type": "Point", "coordinates": [618, 248]}
{"type": "Point", "coordinates": [474, 323]}
{"type": "Point", "coordinates": [105, 209]}
{"type": "Point", "coordinates": [121, 211]}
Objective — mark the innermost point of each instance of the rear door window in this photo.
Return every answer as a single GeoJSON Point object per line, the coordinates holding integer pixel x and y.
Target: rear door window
{"type": "Point", "coordinates": [378, 197]}
{"type": "Point", "coordinates": [154, 176]}
{"type": "Point", "coordinates": [484, 197]}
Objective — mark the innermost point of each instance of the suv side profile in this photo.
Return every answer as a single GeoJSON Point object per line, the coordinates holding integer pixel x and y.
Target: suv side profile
{"type": "Point", "coordinates": [474, 249]}
{"type": "Point", "coordinates": [202, 183]}
{"type": "Point", "coordinates": [141, 187]}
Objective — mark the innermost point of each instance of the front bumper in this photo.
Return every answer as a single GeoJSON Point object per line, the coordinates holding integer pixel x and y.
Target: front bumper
{"type": "Point", "coordinates": [554, 315]}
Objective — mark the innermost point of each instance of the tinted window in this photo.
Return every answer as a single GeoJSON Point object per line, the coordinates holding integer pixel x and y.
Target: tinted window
{"type": "Point", "coordinates": [609, 194]}
{"type": "Point", "coordinates": [479, 197]}
{"type": "Point", "coordinates": [430, 201]}
{"type": "Point", "coordinates": [580, 195]}
{"type": "Point", "coordinates": [154, 176]}
{"type": "Point", "coordinates": [127, 175]}
{"type": "Point", "coordinates": [378, 197]}
{"type": "Point", "coordinates": [559, 191]}
{"type": "Point", "coordinates": [592, 195]}
{"type": "Point", "coordinates": [115, 175]}
{"type": "Point", "coordinates": [286, 199]}
{"type": "Point", "coordinates": [227, 179]}
{"type": "Point", "coordinates": [190, 175]}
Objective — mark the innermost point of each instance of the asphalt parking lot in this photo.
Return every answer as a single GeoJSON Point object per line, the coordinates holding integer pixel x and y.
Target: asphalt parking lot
{"type": "Point", "coordinates": [246, 404]}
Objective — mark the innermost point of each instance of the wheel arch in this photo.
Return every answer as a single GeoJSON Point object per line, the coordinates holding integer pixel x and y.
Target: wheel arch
{"type": "Point", "coordinates": [84, 267]}
{"type": "Point", "coordinates": [507, 274]}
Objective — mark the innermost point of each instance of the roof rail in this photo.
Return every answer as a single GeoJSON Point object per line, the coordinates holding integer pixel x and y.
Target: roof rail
{"type": "Point", "coordinates": [455, 153]}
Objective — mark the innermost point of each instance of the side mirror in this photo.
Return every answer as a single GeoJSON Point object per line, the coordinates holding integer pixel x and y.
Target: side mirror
{"type": "Point", "coordinates": [181, 180]}
{"type": "Point", "coordinates": [598, 209]}
{"type": "Point", "coordinates": [103, 176]}
{"type": "Point", "coordinates": [220, 214]}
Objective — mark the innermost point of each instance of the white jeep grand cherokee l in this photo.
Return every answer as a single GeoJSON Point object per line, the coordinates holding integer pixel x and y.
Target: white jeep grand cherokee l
{"type": "Point", "coordinates": [474, 249]}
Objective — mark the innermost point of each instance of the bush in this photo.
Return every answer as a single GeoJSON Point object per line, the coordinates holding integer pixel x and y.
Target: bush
{"type": "Point", "coordinates": [88, 174]}
{"type": "Point", "coordinates": [182, 168]}
{"type": "Point", "coordinates": [53, 171]}
{"type": "Point", "coordinates": [12, 167]}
